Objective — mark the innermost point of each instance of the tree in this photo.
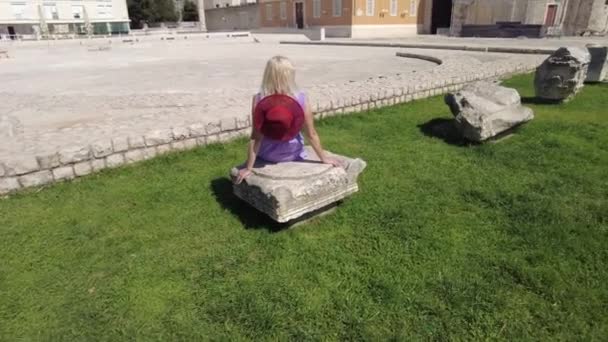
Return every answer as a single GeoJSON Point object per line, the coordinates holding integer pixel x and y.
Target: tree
{"type": "Point", "coordinates": [190, 12]}
{"type": "Point", "coordinates": [150, 11]}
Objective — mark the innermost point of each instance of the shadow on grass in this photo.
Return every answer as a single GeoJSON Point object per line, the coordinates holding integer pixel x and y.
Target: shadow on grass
{"type": "Point", "coordinates": [249, 216]}
{"type": "Point", "coordinates": [538, 101]}
{"type": "Point", "coordinates": [444, 129]}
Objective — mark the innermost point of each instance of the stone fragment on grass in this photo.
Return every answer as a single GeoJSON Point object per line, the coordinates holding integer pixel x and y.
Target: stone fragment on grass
{"type": "Point", "coordinates": [287, 191]}
{"type": "Point", "coordinates": [562, 75]}
{"type": "Point", "coordinates": [483, 110]}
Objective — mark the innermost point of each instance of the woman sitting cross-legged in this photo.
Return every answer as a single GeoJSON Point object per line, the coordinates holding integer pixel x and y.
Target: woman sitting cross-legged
{"type": "Point", "coordinates": [279, 112]}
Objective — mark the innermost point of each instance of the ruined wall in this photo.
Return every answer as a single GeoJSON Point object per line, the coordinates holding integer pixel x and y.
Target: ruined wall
{"type": "Point", "coordinates": [598, 20]}
{"type": "Point", "coordinates": [245, 17]}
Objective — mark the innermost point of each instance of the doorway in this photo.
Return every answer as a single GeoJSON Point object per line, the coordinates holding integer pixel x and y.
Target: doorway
{"type": "Point", "coordinates": [300, 15]}
{"type": "Point", "coordinates": [441, 16]}
{"type": "Point", "coordinates": [551, 14]}
{"type": "Point", "coordinates": [11, 33]}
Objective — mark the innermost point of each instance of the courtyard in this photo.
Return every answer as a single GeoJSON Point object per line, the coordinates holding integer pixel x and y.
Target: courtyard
{"type": "Point", "coordinates": [70, 95]}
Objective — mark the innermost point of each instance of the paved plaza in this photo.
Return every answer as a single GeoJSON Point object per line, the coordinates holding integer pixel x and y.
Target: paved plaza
{"type": "Point", "coordinates": [71, 96]}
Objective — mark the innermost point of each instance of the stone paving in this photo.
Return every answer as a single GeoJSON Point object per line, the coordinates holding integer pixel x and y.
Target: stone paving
{"type": "Point", "coordinates": [81, 109]}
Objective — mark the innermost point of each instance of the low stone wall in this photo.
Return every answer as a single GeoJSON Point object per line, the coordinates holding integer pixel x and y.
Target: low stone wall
{"type": "Point", "coordinates": [82, 160]}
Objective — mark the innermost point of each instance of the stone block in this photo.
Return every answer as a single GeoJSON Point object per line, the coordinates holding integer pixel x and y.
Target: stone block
{"type": "Point", "coordinates": [180, 133]}
{"type": "Point", "coordinates": [197, 130]}
{"type": "Point", "coordinates": [74, 154]}
{"type": "Point", "coordinates": [228, 124]}
{"type": "Point", "coordinates": [134, 156]}
{"type": "Point", "coordinates": [83, 168]}
{"type": "Point", "coordinates": [213, 128]}
{"type": "Point", "coordinates": [21, 165]}
{"type": "Point", "coordinates": [483, 110]}
{"type": "Point", "coordinates": [48, 161]}
{"type": "Point", "coordinates": [63, 173]}
{"type": "Point", "coordinates": [102, 148]}
{"type": "Point", "coordinates": [159, 137]}
{"type": "Point", "coordinates": [288, 191]}
{"type": "Point", "coordinates": [98, 164]}
{"type": "Point", "coordinates": [36, 178]}
{"type": "Point", "coordinates": [149, 152]}
{"type": "Point", "coordinates": [213, 139]}
{"type": "Point", "coordinates": [119, 145]}
{"type": "Point", "coordinates": [243, 122]}
{"type": "Point", "coordinates": [9, 184]}
{"type": "Point", "coordinates": [598, 68]}
{"type": "Point", "coordinates": [562, 75]}
{"type": "Point", "coordinates": [178, 146]}
{"type": "Point", "coordinates": [162, 149]}
{"type": "Point", "coordinates": [201, 141]}
{"type": "Point", "coordinates": [136, 142]}
{"type": "Point", "coordinates": [190, 143]}
{"type": "Point", "coordinates": [115, 160]}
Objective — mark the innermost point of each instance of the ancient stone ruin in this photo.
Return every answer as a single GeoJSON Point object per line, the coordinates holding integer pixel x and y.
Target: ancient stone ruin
{"type": "Point", "coordinates": [562, 75]}
{"type": "Point", "coordinates": [291, 190]}
{"type": "Point", "coordinates": [483, 110]}
{"type": "Point", "coordinates": [598, 68]}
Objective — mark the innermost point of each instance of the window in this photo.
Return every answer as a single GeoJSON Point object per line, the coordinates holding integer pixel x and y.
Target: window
{"type": "Point", "coordinates": [283, 10]}
{"type": "Point", "coordinates": [50, 11]}
{"type": "Point", "coordinates": [18, 10]}
{"type": "Point", "coordinates": [268, 12]}
{"type": "Point", "coordinates": [370, 9]}
{"type": "Point", "coordinates": [413, 8]}
{"type": "Point", "coordinates": [337, 8]}
{"type": "Point", "coordinates": [77, 11]}
{"type": "Point", "coordinates": [316, 8]}
{"type": "Point", "coordinates": [104, 11]}
{"type": "Point", "coordinates": [394, 8]}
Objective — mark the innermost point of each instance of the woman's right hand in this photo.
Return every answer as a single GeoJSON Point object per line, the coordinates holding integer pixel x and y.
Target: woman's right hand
{"type": "Point", "coordinates": [332, 161]}
{"type": "Point", "coordinates": [243, 173]}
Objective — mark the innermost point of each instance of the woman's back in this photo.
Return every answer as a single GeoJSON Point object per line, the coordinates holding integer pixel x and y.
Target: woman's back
{"type": "Point", "coordinates": [281, 151]}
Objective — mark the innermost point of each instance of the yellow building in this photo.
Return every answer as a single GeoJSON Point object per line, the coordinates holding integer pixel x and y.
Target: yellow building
{"type": "Point", "coordinates": [350, 18]}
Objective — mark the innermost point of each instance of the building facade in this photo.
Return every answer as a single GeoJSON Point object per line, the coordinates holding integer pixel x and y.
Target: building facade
{"type": "Point", "coordinates": [227, 3]}
{"type": "Point", "coordinates": [41, 18]}
{"type": "Point", "coordinates": [559, 17]}
{"type": "Point", "coordinates": [347, 18]}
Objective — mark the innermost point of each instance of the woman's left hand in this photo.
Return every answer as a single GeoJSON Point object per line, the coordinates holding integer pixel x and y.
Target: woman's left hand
{"type": "Point", "coordinates": [243, 173]}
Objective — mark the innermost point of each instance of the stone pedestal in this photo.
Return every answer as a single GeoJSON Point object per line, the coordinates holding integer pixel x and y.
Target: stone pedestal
{"type": "Point", "coordinates": [598, 68]}
{"type": "Point", "coordinates": [484, 110]}
{"type": "Point", "coordinates": [288, 191]}
{"type": "Point", "coordinates": [562, 75]}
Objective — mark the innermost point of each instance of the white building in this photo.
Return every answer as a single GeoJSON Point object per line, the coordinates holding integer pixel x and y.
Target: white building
{"type": "Point", "coordinates": [227, 3]}
{"type": "Point", "coordinates": [62, 17]}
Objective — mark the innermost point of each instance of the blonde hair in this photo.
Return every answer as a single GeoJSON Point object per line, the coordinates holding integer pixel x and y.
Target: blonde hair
{"type": "Point", "coordinates": [279, 77]}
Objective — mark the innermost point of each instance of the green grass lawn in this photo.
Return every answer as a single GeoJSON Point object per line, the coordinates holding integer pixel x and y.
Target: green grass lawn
{"type": "Point", "coordinates": [443, 242]}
